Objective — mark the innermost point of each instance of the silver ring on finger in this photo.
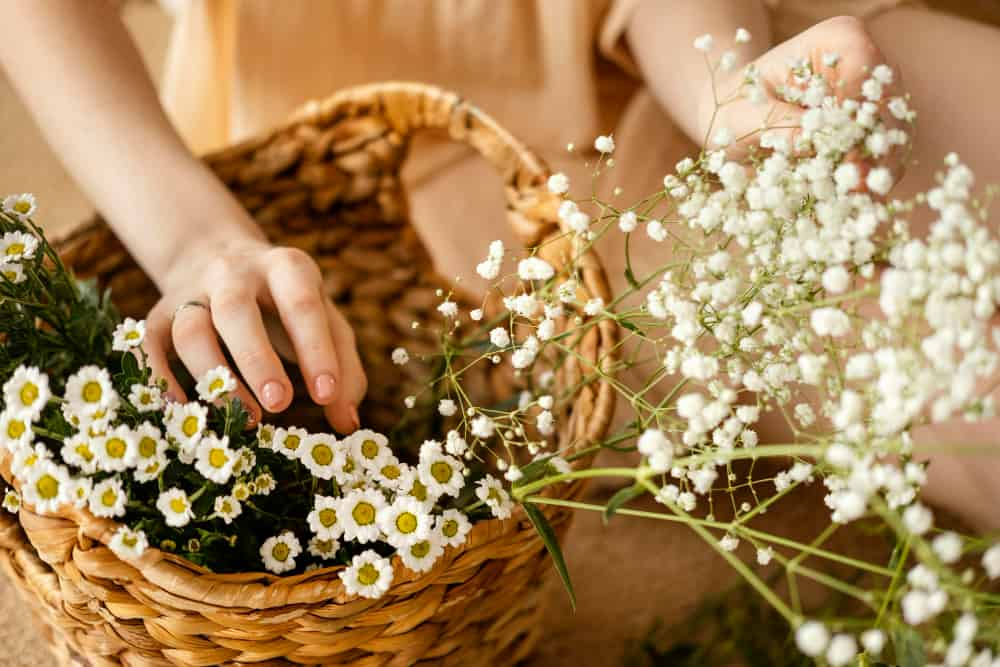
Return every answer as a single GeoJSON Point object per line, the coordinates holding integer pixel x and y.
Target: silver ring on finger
{"type": "Point", "coordinates": [194, 303]}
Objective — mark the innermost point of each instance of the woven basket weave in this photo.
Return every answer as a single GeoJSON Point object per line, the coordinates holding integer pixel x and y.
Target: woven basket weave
{"type": "Point", "coordinates": [327, 182]}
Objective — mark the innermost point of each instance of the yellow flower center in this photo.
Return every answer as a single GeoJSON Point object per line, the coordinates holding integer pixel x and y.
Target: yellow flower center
{"type": "Point", "coordinates": [178, 505]}
{"type": "Point", "coordinates": [328, 517]}
{"type": "Point", "coordinates": [391, 471]}
{"type": "Point", "coordinates": [147, 447]}
{"type": "Point", "coordinates": [406, 522]}
{"type": "Point", "coordinates": [216, 385]}
{"type": "Point", "coordinates": [47, 487]}
{"type": "Point", "coordinates": [292, 442]}
{"type": "Point", "coordinates": [241, 492]}
{"type": "Point", "coordinates": [322, 454]}
{"type": "Point", "coordinates": [190, 426]}
{"type": "Point", "coordinates": [130, 540]}
{"type": "Point", "coordinates": [367, 574]}
{"type": "Point", "coordinates": [280, 551]}
{"type": "Point", "coordinates": [419, 491]}
{"type": "Point", "coordinates": [29, 393]}
{"type": "Point", "coordinates": [83, 450]}
{"type": "Point", "coordinates": [10, 275]}
{"type": "Point", "coordinates": [441, 471]}
{"type": "Point", "coordinates": [217, 458]}
{"type": "Point", "coordinates": [324, 546]}
{"type": "Point", "coordinates": [15, 249]}
{"type": "Point", "coordinates": [31, 460]}
{"type": "Point", "coordinates": [22, 206]}
{"type": "Point", "coordinates": [152, 468]}
{"type": "Point", "coordinates": [227, 507]}
{"type": "Point", "coordinates": [349, 465]}
{"type": "Point", "coordinates": [132, 335]}
{"type": "Point", "coordinates": [109, 497]}
{"type": "Point", "coordinates": [92, 392]}
{"type": "Point", "coordinates": [369, 449]}
{"type": "Point", "coordinates": [450, 528]}
{"type": "Point", "coordinates": [420, 549]}
{"type": "Point", "coordinates": [115, 448]}
{"type": "Point", "coordinates": [145, 398]}
{"type": "Point", "coordinates": [364, 514]}
{"type": "Point", "coordinates": [16, 428]}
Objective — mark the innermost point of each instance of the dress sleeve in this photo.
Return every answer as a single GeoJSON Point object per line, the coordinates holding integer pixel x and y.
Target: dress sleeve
{"type": "Point", "coordinates": [611, 40]}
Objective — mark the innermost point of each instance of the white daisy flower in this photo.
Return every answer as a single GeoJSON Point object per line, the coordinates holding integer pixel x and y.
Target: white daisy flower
{"type": "Point", "coordinates": [265, 435]}
{"type": "Point", "coordinates": [279, 552]}
{"type": "Point", "coordinates": [318, 453]}
{"type": "Point", "coordinates": [47, 487]}
{"type": "Point", "coordinates": [265, 484]}
{"type": "Point", "coordinates": [346, 470]}
{"type": "Point", "coordinates": [441, 474]}
{"type": "Point", "coordinates": [215, 459]}
{"type": "Point", "coordinates": [129, 334]}
{"type": "Point", "coordinates": [27, 391]}
{"type": "Point", "coordinates": [289, 440]}
{"type": "Point", "coordinates": [79, 491]}
{"type": "Point", "coordinates": [98, 422]}
{"type": "Point", "coordinates": [421, 556]}
{"type": "Point", "coordinates": [146, 398]}
{"type": "Point", "coordinates": [186, 423]}
{"type": "Point", "coordinates": [175, 507]}
{"type": "Point", "coordinates": [21, 206]}
{"type": "Point", "coordinates": [17, 246]}
{"type": "Point", "coordinates": [15, 430]}
{"type": "Point", "coordinates": [227, 508]}
{"type": "Point", "coordinates": [410, 485]}
{"type": "Point", "coordinates": [13, 273]}
{"type": "Point", "coordinates": [390, 474]}
{"type": "Point", "coordinates": [108, 498]}
{"type": "Point", "coordinates": [149, 443]}
{"type": "Point", "coordinates": [12, 501]}
{"type": "Point", "coordinates": [127, 543]}
{"type": "Point", "coordinates": [405, 522]}
{"type": "Point", "coordinates": [324, 519]}
{"type": "Point", "coordinates": [89, 391]}
{"type": "Point", "coordinates": [215, 384]}
{"type": "Point", "coordinates": [369, 449]}
{"type": "Point", "coordinates": [359, 514]}
{"type": "Point", "coordinates": [491, 491]}
{"type": "Point", "coordinates": [325, 549]}
{"type": "Point", "coordinates": [452, 528]}
{"type": "Point", "coordinates": [242, 491]}
{"type": "Point", "coordinates": [245, 461]}
{"type": "Point", "coordinates": [26, 457]}
{"type": "Point", "coordinates": [369, 575]}
{"type": "Point", "coordinates": [117, 450]}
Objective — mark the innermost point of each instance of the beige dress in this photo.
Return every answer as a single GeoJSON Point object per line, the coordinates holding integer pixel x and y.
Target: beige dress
{"type": "Point", "coordinates": [553, 72]}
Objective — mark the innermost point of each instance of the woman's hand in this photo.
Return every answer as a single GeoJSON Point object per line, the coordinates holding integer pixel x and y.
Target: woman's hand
{"type": "Point", "coordinates": [230, 290]}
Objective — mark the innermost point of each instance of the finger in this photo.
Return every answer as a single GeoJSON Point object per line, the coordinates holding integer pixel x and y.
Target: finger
{"type": "Point", "coordinates": [294, 282]}
{"type": "Point", "coordinates": [237, 318]}
{"type": "Point", "coordinates": [342, 413]}
{"type": "Point", "coordinates": [198, 347]}
{"type": "Point", "coordinates": [157, 344]}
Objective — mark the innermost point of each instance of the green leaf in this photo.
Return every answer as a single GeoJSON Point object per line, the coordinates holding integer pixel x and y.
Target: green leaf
{"type": "Point", "coordinates": [909, 647]}
{"type": "Point", "coordinates": [620, 498]}
{"type": "Point", "coordinates": [548, 536]}
{"type": "Point", "coordinates": [130, 367]}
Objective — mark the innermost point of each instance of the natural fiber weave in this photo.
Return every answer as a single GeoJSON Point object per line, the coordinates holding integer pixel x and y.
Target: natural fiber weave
{"type": "Point", "coordinates": [327, 182]}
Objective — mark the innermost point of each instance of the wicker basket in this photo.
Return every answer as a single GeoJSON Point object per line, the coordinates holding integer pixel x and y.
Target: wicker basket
{"type": "Point", "coordinates": [327, 182]}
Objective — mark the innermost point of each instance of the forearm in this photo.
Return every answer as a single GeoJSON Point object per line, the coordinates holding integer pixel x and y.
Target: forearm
{"type": "Point", "coordinates": [79, 73]}
{"type": "Point", "coordinates": [661, 36]}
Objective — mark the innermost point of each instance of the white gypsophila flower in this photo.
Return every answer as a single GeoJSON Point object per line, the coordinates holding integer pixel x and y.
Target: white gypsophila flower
{"type": "Point", "coordinates": [410, 401]}
{"type": "Point", "coordinates": [369, 575]}
{"type": "Point", "coordinates": [359, 513]}
{"type": "Point", "coordinates": [216, 383]}
{"type": "Point", "coordinates": [654, 445]}
{"type": "Point", "coordinates": [214, 459]}
{"type": "Point", "coordinates": [323, 519]}
{"type": "Point", "coordinates": [227, 508]}
{"type": "Point", "coordinates": [558, 183]}
{"type": "Point", "coordinates": [499, 337]}
{"type": "Point", "coordinates": [704, 43]}
{"type": "Point", "coordinates": [325, 549]}
{"type": "Point", "coordinates": [560, 465]}
{"type": "Point", "coordinates": [764, 555]}
{"type": "Point", "coordinates": [830, 321]}
{"type": "Point", "coordinates": [879, 180]}
{"type": "Point", "coordinates": [12, 501]}
{"type": "Point", "coordinates": [947, 547]}
{"type": "Point", "coordinates": [400, 356]}
{"type": "Point", "coordinates": [279, 552]}
{"type": "Point", "coordinates": [873, 641]}
{"type": "Point", "coordinates": [842, 650]}
{"type": "Point", "coordinates": [421, 555]}
{"type": "Point", "coordinates": [89, 391]}
{"type": "Point", "coordinates": [513, 473]}
{"type": "Point", "coordinates": [991, 562]}
{"type": "Point", "coordinates": [369, 449]}
{"type": "Point", "coordinates": [455, 444]}
{"type": "Point", "coordinates": [490, 490]}
{"type": "Point", "coordinates": [127, 543]}
{"type": "Point", "coordinates": [288, 441]}
{"type": "Point", "coordinates": [108, 498]}
{"type": "Point", "coordinates": [318, 453]}
{"type": "Point", "coordinates": [918, 519]}
{"type": "Point", "coordinates": [447, 407]}
{"type": "Point", "coordinates": [628, 221]}
{"type": "Point", "coordinates": [545, 422]}
{"type": "Point", "coordinates": [742, 36]}
{"type": "Point", "coordinates": [441, 474]}
{"type": "Point", "coordinates": [476, 314]}
{"type": "Point", "coordinates": [452, 527]}
{"type": "Point", "coordinates": [175, 507]}
{"type": "Point", "coordinates": [15, 430]}
{"type": "Point", "coordinates": [482, 427]}
{"type": "Point", "coordinates": [46, 487]}
{"type": "Point", "coordinates": [812, 638]}
{"type": "Point", "coordinates": [448, 308]}
{"type": "Point", "coordinates": [186, 423]}
{"type": "Point", "coordinates": [729, 542]}
{"type": "Point", "coordinates": [593, 306]}
{"type": "Point", "coordinates": [405, 522]}
{"type": "Point", "coordinates": [604, 144]}
{"type": "Point", "coordinates": [656, 230]}
{"type": "Point", "coordinates": [116, 450]}
{"type": "Point", "coordinates": [146, 398]}
{"type": "Point", "coordinates": [27, 392]}
{"type": "Point", "coordinates": [128, 335]}
{"type": "Point", "coordinates": [535, 268]}
{"type": "Point", "coordinates": [17, 247]}
{"type": "Point", "coordinates": [20, 206]}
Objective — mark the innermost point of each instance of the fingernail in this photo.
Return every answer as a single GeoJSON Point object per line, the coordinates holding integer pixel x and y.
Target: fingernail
{"type": "Point", "coordinates": [355, 418]}
{"type": "Point", "coordinates": [273, 395]}
{"type": "Point", "coordinates": [325, 386]}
